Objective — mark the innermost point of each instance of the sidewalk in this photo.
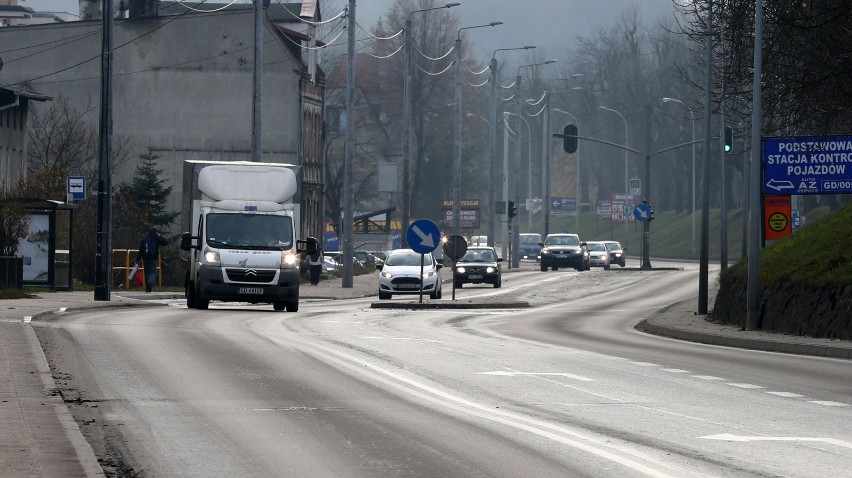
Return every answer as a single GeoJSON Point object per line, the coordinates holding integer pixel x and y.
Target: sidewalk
{"type": "Point", "coordinates": [39, 437]}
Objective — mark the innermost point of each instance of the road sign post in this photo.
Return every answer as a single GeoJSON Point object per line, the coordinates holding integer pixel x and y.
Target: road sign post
{"type": "Point", "coordinates": [454, 247]}
{"type": "Point", "coordinates": [423, 237]}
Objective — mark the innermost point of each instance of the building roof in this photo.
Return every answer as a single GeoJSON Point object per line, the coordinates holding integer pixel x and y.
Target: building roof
{"type": "Point", "coordinates": [31, 95]}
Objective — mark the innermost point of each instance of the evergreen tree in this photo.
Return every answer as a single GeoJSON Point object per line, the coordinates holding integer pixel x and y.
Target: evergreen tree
{"type": "Point", "coordinates": [150, 193]}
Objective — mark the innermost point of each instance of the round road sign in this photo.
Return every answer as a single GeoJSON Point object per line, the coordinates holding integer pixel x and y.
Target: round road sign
{"type": "Point", "coordinates": [777, 221]}
{"type": "Point", "coordinates": [455, 247]}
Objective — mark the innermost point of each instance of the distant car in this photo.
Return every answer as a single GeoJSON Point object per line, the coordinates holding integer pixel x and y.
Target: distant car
{"type": "Point", "coordinates": [529, 246]}
{"type": "Point", "coordinates": [616, 253]}
{"type": "Point", "coordinates": [400, 274]}
{"type": "Point", "coordinates": [337, 256]}
{"type": "Point", "coordinates": [564, 250]}
{"type": "Point", "coordinates": [479, 265]}
{"type": "Point", "coordinates": [329, 264]}
{"type": "Point", "coordinates": [598, 254]}
{"type": "Point", "coordinates": [478, 241]}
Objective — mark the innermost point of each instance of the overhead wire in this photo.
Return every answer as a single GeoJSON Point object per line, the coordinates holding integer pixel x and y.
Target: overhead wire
{"type": "Point", "coordinates": [199, 10]}
{"type": "Point", "coordinates": [378, 37]}
{"type": "Point", "coordinates": [386, 56]}
{"type": "Point", "coordinates": [506, 87]}
{"type": "Point", "coordinates": [481, 84]}
{"type": "Point", "coordinates": [435, 74]}
{"type": "Point", "coordinates": [429, 57]}
{"type": "Point", "coordinates": [539, 111]}
{"type": "Point", "coordinates": [476, 72]}
{"type": "Point", "coordinates": [509, 98]}
{"type": "Point", "coordinates": [533, 103]}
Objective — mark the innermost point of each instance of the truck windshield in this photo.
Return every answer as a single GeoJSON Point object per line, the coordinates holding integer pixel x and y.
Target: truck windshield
{"type": "Point", "coordinates": [250, 231]}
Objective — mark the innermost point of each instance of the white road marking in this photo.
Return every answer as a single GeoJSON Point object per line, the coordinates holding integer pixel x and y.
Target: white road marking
{"type": "Point", "coordinates": [745, 385]}
{"type": "Point", "coordinates": [377, 337]}
{"type": "Point", "coordinates": [63, 309]}
{"type": "Point", "coordinates": [675, 370]}
{"type": "Point", "coordinates": [27, 319]}
{"type": "Point", "coordinates": [786, 394]}
{"type": "Point", "coordinates": [505, 373]}
{"type": "Point", "coordinates": [707, 377]}
{"type": "Point", "coordinates": [645, 364]}
{"type": "Point", "coordinates": [739, 438]}
{"type": "Point", "coordinates": [828, 403]}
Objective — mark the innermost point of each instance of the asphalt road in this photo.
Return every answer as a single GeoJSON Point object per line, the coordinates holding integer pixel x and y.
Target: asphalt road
{"type": "Point", "coordinates": [565, 388]}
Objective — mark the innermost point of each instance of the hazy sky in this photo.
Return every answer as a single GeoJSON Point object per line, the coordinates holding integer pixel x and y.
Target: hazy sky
{"type": "Point", "coordinates": [550, 24]}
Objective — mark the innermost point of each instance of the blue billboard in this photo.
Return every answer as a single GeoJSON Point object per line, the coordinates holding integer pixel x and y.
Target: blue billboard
{"type": "Point", "coordinates": [807, 165]}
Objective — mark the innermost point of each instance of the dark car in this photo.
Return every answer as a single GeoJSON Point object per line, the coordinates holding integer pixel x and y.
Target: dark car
{"type": "Point", "coordinates": [564, 250]}
{"type": "Point", "coordinates": [530, 246]}
{"type": "Point", "coordinates": [616, 253]}
{"type": "Point", "coordinates": [479, 265]}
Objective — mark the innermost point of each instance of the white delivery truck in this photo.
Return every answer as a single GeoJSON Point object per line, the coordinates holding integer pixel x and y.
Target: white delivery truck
{"type": "Point", "coordinates": [243, 225]}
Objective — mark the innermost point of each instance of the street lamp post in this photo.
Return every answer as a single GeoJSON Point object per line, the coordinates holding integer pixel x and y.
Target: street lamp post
{"type": "Point", "coordinates": [516, 255]}
{"type": "Point", "coordinates": [692, 113]}
{"type": "Point", "coordinates": [407, 136]}
{"type": "Point", "coordinates": [458, 145]}
{"type": "Point", "coordinates": [576, 181]}
{"type": "Point", "coordinates": [626, 170]}
{"type": "Point", "coordinates": [492, 189]}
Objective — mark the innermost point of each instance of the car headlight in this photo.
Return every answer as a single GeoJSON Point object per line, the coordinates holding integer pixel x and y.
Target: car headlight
{"type": "Point", "coordinates": [490, 270]}
{"type": "Point", "coordinates": [461, 270]}
{"type": "Point", "coordinates": [289, 260]}
{"type": "Point", "coordinates": [387, 275]}
{"type": "Point", "coordinates": [617, 254]}
{"type": "Point", "coordinates": [545, 250]}
{"type": "Point", "coordinates": [428, 274]}
{"type": "Point", "coordinates": [211, 256]}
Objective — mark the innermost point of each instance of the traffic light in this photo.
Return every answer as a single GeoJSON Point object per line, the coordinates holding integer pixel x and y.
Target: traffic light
{"type": "Point", "coordinates": [569, 139]}
{"type": "Point", "coordinates": [729, 139]}
{"type": "Point", "coordinates": [512, 210]}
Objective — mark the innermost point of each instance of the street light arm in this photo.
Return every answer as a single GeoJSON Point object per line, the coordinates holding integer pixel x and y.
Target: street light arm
{"type": "Point", "coordinates": [448, 5]}
{"type": "Point", "coordinates": [492, 24]}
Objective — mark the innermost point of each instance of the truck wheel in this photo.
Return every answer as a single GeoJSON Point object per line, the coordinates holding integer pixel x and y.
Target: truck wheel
{"type": "Point", "coordinates": [292, 306]}
{"type": "Point", "coordinates": [191, 300]}
{"type": "Point", "coordinates": [278, 306]}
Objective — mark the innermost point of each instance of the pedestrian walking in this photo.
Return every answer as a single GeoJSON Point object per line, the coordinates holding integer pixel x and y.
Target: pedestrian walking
{"type": "Point", "coordinates": [315, 262]}
{"type": "Point", "coordinates": [149, 250]}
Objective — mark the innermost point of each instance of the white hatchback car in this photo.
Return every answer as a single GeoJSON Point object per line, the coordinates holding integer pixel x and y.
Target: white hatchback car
{"type": "Point", "coordinates": [400, 274]}
{"type": "Point", "coordinates": [598, 254]}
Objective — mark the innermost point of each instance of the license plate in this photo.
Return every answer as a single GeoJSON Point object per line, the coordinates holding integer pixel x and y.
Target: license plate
{"type": "Point", "coordinates": [561, 255]}
{"type": "Point", "coordinates": [408, 286]}
{"type": "Point", "coordinates": [250, 290]}
{"type": "Point", "coordinates": [477, 276]}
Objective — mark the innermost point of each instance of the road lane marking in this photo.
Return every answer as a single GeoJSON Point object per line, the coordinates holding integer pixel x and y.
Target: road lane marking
{"type": "Point", "coordinates": [739, 438]}
{"type": "Point", "coordinates": [745, 385]}
{"type": "Point", "coordinates": [537, 374]}
{"type": "Point", "coordinates": [644, 364]}
{"type": "Point", "coordinates": [708, 377]}
{"type": "Point", "coordinates": [27, 319]}
{"type": "Point", "coordinates": [828, 403]}
{"type": "Point", "coordinates": [786, 394]}
{"type": "Point", "coordinates": [675, 370]}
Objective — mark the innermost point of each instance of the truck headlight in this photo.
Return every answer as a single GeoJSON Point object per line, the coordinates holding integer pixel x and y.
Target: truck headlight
{"type": "Point", "coordinates": [289, 260]}
{"type": "Point", "coordinates": [211, 256]}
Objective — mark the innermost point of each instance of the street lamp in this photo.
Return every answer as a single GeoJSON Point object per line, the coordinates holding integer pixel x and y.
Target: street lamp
{"type": "Point", "coordinates": [492, 190]}
{"type": "Point", "coordinates": [458, 145]}
{"type": "Point", "coordinates": [516, 255]}
{"type": "Point", "coordinates": [692, 113]}
{"type": "Point", "coordinates": [577, 181]}
{"type": "Point", "coordinates": [626, 169]}
{"type": "Point", "coordinates": [407, 136]}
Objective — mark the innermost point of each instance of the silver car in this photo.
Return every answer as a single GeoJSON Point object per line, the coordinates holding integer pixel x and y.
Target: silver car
{"type": "Point", "coordinates": [400, 274]}
{"type": "Point", "coordinates": [598, 254]}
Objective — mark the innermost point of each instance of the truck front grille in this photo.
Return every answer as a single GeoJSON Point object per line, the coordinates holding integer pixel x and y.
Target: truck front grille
{"type": "Point", "coordinates": [250, 275]}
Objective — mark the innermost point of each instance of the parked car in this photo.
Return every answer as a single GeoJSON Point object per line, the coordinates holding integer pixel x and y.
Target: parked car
{"type": "Point", "coordinates": [529, 246]}
{"type": "Point", "coordinates": [478, 241]}
{"type": "Point", "coordinates": [400, 274]}
{"type": "Point", "coordinates": [564, 250]}
{"type": "Point", "coordinates": [337, 257]}
{"type": "Point", "coordinates": [479, 265]}
{"type": "Point", "coordinates": [598, 254]}
{"type": "Point", "coordinates": [616, 253]}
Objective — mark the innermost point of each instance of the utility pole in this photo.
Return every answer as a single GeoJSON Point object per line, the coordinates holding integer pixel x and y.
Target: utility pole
{"type": "Point", "coordinates": [348, 166]}
{"type": "Point", "coordinates": [754, 185]}
{"type": "Point", "coordinates": [492, 170]}
{"type": "Point", "coordinates": [405, 214]}
{"type": "Point", "coordinates": [256, 146]}
{"type": "Point", "coordinates": [646, 225]}
{"type": "Point", "coordinates": [103, 254]}
{"type": "Point", "coordinates": [703, 268]}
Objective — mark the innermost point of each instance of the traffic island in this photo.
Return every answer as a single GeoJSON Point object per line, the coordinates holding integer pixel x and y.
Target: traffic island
{"type": "Point", "coordinates": [450, 304]}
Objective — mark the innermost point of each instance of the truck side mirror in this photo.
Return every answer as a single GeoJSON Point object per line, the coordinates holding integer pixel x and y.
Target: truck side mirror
{"type": "Point", "coordinates": [186, 241]}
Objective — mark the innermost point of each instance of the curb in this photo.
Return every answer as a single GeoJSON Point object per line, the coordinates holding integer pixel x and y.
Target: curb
{"type": "Point", "coordinates": [449, 305]}
{"type": "Point", "coordinates": [648, 326]}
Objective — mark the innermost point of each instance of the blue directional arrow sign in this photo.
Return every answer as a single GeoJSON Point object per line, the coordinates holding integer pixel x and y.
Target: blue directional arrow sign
{"type": "Point", "coordinates": [807, 165]}
{"type": "Point", "coordinates": [423, 236]}
{"type": "Point", "coordinates": [642, 212]}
